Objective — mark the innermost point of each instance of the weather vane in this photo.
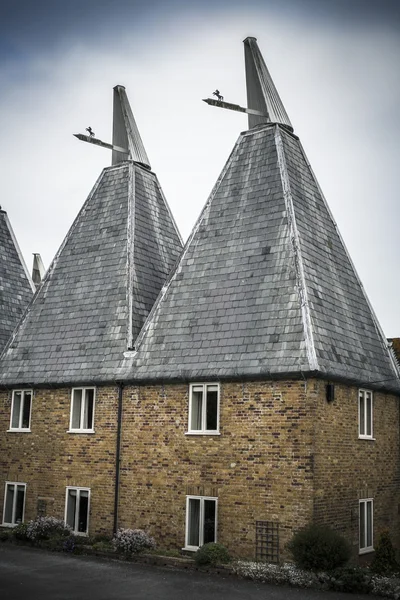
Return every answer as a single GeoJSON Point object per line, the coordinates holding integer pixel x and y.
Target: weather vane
{"type": "Point", "coordinates": [221, 104]}
{"type": "Point", "coordinates": [93, 140]}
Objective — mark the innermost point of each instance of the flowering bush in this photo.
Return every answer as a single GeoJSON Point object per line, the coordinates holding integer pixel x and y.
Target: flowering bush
{"type": "Point", "coordinates": [43, 528]}
{"type": "Point", "coordinates": [278, 574]}
{"type": "Point", "coordinates": [132, 541]}
{"type": "Point", "coordinates": [389, 587]}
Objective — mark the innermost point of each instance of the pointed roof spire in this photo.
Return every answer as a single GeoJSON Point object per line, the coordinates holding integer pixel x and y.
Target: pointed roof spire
{"type": "Point", "coordinates": [261, 91]}
{"type": "Point", "coordinates": [125, 131]}
{"type": "Point", "coordinates": [38, 270]}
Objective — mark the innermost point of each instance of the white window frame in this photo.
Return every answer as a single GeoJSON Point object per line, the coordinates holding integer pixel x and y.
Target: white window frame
{"type": "Point", "coordinates": [362, 393]}
{"type": "Point", "coordinates": [81, 429]}
{"type": "Point", "coordinates": [15, 484]}
{"type": "Point", "coordinates": [21, 411]}
{"type": "Point", "coordinates": [78, 491]}
{"type": "Point", "coordinates": [201, 521]}
{"type": "Point", "coordinates": [203, 430]}
{"type": "Point", "coordinates": [363, 502]}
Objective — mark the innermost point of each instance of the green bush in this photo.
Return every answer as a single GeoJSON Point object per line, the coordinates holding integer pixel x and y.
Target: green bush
{"type": "Point", "coordinates": [319, 548]}
{"type": "Point", "coordinates": [384, 561]}
{"type": "Point", "coordinates": [212, 554]}
{"type": "Point", "coordinates": [20, 532]}
{"type": "Point", "coordinates": [5, 535]}
{"type": "Point", "coordinates": [350, 579]}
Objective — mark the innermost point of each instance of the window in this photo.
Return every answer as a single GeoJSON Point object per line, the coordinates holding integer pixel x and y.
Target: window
{"type": "Point", "coordinates": [365, 408]}
{"type": "Point", "coordinates": [366, 525]}
{"type": "Point", "coordinates": [21, 410]}
{"type": "Point", "coordinates": [77, 509]}
{"type": "Point", "coordinates": [201, 521]}
{"type": "Point", "coordinates": [14, 503]}
{"type": "Point", "coordinates": [204, 408]}
{"type": "Point", "coordinates": [82, 410]}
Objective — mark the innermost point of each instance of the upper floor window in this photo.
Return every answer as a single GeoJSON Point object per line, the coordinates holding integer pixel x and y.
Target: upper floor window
{"type": "Point", "coordinates": [365, 414]}
{"type": "Point", "coordinates": [21, 405]}
{"type": "Point", "coordinates": [14, 503]}
{"type": "Point", "coordinates": [204, 408]}
{"type": "Point", "coordinates": [201, 521]}
{"type": "Point", "coordinates": [82, 410]}
{"type": "Point", "coordinates": [77, 509]}
{"type": "Point", "coordinates": [366, 527]}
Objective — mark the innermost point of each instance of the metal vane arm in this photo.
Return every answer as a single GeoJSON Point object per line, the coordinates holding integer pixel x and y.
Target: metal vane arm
{"type": "Point", "coordinates": [97, 142]}
{"type": "Point", "coordinates": [236, 107]}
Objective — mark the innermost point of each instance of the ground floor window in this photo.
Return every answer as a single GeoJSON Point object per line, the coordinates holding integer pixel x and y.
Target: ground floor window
{"type": "Point", "coordinates": [77, 509]}
{"type": "Point", "coordinates": [201, 521]}
{"type": "Point", "coordinates": [366, 525]}
{"type": "Point", "coordinates": [14, 503]}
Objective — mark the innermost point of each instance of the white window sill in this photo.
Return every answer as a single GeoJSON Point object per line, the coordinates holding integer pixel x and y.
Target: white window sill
{"type": "Point", "coordinates": [18, 430]}
{"type": "Point", "coordinates": [366, 550]}
{"type": "Point", "coordinates": [81, 431]}
{"type": "Point", "coordinates": [366, 437]}
{"type": "Point", "coordinates": [80, 533]}
{"type": "Point", "coordinates": [190, 548]}
{"type": "Point", "coordinates": [202, 433]}
{"type": "Point", "coordinates": [11, 525]}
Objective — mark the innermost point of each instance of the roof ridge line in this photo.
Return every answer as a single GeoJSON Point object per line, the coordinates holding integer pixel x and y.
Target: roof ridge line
{"type": "Point", "coordinates": [168, 208]}
{"type": "Point", "coordinates": [130, 254]}
{"type": "Point", "coordinates": [53, 264]}
{"type": "Point", "coordinates": [177, 270]}
{"type": "Point", "coordinates": [18, 249]}
{"type": "Point", "coordinates": [378, 327]}
{"type": "Point", "coordinates": [295, 240]}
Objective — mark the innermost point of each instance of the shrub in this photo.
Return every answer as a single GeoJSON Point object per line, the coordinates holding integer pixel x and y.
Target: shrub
{"type": "Point", "coordinates": [20, 532]}
{"type": "Point", "coordinates": [277, 574]}
{"type": "Point", "coordinates": [212, 554]}
{"type": "Point", "coordinates": [319, 548]}
{"type": "Point", "coordinates": [44, 528]}
{"type": "Point", "coordinates": [132, 541]}
{"type": "Point", "coordinates": [350, 579]}
{"type": "Point", "coordinates": [389, 587]}
{"type": "Point", "coordinates": [384, 561]}
{"type": "Point", "coordinates": [5, 535]}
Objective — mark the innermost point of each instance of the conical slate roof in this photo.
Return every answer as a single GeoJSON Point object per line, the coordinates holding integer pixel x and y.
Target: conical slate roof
{"type": "Point", "coordinates": [16, 286]}
{"type": "Point", "coordinates": [264, 287]}
{"type": "Point", "coordinates": [101, 285]}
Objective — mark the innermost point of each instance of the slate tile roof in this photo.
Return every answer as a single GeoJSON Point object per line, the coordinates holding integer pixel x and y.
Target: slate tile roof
{"type": "Point", "coordinates": [264, 286]}
{"type": "Point", "coordinates": [16, 286]}
{"type": "Point", "coordinates": [101, 285]}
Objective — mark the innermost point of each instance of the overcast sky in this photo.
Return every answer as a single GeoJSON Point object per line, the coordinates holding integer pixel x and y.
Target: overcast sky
{"type": "Point", "coordinates": [335, 64]}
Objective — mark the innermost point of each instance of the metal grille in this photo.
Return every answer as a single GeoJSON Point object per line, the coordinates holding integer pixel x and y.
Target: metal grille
{"type": "Point", "coordinates": [267, 541]}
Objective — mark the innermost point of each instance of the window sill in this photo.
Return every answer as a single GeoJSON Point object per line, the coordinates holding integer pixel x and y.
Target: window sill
{"type": "Point", "coordinates": [10, 525]}
{"type": "Point", "coordinates": [202, 433]}
{"type": "Point", "coordinates": [91, 431]}
{"type": "Point", "coordinates": [366, 550]}
{"type": "Point", "coordinates": [366, 437]}
{"type": "Point", "coordinates": [190, 548]}
{"type": "Point", "coordinates": [19, 431]}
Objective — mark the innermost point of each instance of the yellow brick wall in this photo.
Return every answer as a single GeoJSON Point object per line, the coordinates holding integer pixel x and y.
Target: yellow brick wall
{"type": "Point", "coordinates": [347, 469]}
{"type": "Point", "coordinates": [259, 467]}
{"type": "Point", "coordinates": [49, 459]}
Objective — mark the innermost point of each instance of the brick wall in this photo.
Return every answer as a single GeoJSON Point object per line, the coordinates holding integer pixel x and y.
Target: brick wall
{"type": "Point", "coordinates": [49, 459]}
{"type": "Point", "coordinates": [347, 468]}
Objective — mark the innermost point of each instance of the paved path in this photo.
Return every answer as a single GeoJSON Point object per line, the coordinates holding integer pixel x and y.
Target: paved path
{"type": "Point", "coordinates": [28, 574]}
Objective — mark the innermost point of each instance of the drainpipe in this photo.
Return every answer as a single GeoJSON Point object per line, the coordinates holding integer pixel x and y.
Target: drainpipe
{"type": "Point", "coordinates": [118, 456]}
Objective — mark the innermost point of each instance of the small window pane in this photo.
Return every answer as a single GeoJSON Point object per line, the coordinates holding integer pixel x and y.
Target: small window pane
{"type": "Point", "coordinates": [362, 414]}
{"type": "Point", "coordinates": [362, 525]}
{"type": "Point", "coordinates": [88, 410]}
{"type": "Point", "coordinates": [16, 410]}
{"type": "Point", "coordinates": [209, 521]}
{"type": "Point", "coordinates": [26, 413]}
{"type": "Point", "coordinates": [369, 414]}
{"type": "Point", "coordinates": [10, 489]}
{"type": "Point", "coordinates": [19, 506]}
{"type": "Point", "coordinates": [197, 402]}
{"type": "Point", "coordinates": [71, 508]}
{"type": "Point", "coordinates": [369, 524]}
{"type": "Point", "coordinates": [76, 409]}
{"type": "Point", "coordinates": [212, 409]}
{"type": "Point", "coordinates": [83, 511]}
{"type": "Point", "coordinates": [194, 522]}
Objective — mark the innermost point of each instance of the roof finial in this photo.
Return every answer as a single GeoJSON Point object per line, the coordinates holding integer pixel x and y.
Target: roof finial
{"type": "Point", "coordinates": [125, 131]}
{"type": "Point", "coordinates": [261, 92]}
